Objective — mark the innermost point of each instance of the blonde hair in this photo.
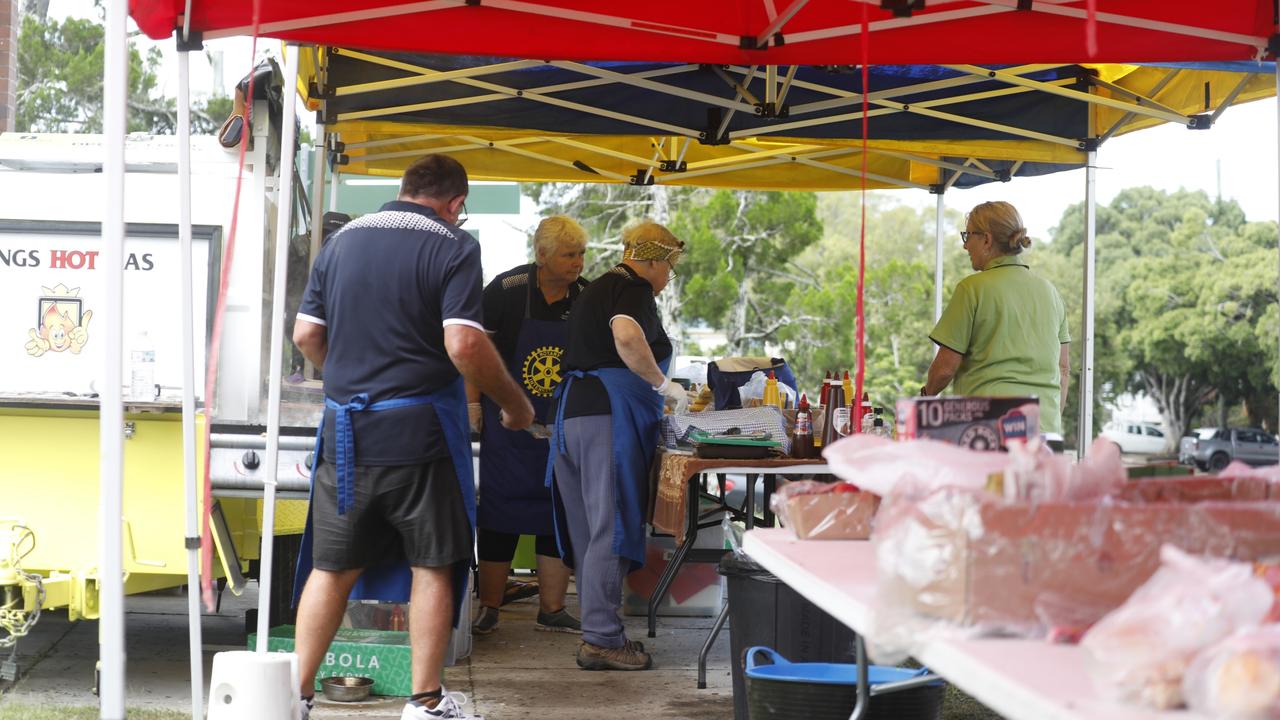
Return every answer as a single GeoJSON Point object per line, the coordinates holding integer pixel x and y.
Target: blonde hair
{"type": "Point", "coordinates": [1003, 223]}
{"type": "Point", "coordinates": [557, 231]}
{"type": "Point", "coordinates": [647, 240]}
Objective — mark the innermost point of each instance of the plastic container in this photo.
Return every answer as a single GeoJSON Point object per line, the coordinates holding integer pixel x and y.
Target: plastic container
{"type": "Point", "coordinates": [142, 369]}
{"type": "Point", "coordinates": [782, 690]}
{"type": "Point", "coordinates": [764, 611]}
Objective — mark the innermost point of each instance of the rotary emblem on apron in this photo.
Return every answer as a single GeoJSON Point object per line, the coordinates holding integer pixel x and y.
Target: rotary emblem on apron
{"type": "Point", "coordinates": [542, 370]}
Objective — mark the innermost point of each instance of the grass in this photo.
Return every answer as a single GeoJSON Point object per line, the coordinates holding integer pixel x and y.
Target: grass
{"type": "Point", "coordinates": [18, 711]}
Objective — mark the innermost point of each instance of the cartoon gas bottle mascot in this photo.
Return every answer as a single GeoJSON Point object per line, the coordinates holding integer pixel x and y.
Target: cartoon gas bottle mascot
{"type": "Point", "coordinates": [58, 332]}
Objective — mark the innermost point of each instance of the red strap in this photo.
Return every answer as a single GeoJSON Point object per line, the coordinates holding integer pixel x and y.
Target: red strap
{"type": "Point", "coordinates": [215, 336]}
{"type": "Point", "coordinates": [1091, 28]}
{"type": "Point", "coordinates": [860, 329]}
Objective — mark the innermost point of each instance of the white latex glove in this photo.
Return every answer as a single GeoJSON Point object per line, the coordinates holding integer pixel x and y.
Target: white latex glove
{"type": "Point", "coordinates": [475, 416]}
{"type": "Point", "coordinates": [674, 392]}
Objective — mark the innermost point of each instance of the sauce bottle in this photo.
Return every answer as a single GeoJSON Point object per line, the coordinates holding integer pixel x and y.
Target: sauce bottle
{"type": "Point", "coordinates": [834, 413]}
{"type": "Point", "coordinates": [770, 398]}
{"type": "Point", "coordinates": [802, 439]}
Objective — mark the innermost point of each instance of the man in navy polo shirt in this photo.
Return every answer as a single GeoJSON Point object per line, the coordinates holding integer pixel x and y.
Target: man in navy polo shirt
{"type": "Point", "coordinates": [393, 314]}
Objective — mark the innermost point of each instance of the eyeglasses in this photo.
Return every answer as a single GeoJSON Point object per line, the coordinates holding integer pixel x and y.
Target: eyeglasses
{"type": "Point", "coordinates": [965, 235]}
{"type": "Point", "coordinates": [462, 216]}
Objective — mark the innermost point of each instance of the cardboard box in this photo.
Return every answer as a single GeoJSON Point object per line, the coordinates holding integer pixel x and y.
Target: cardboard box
{"type": "Point", "coordinates": [832, 516]}
{"type": "Point", "coordinates": [977, 423]}
{"type": "Point", "coordinates": [1068, 564]}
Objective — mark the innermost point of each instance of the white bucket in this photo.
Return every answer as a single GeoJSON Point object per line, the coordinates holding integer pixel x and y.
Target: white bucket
{"type": "Point", "coordinates": [254, 686]}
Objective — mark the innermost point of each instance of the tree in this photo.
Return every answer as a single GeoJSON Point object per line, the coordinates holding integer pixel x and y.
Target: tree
{"type": "Point", "coordinates": [1186, 296]}
{"type": "Point", "coordinates": [739, 263]}
{"type": "Point", "coordinates": [60, 82]}
{"type": "Point", "coordinates": [897, 299]}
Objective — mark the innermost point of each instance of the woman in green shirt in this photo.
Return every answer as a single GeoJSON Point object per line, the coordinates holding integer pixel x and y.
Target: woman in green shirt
{"type": "Point", "coordinates": [1004, 332]}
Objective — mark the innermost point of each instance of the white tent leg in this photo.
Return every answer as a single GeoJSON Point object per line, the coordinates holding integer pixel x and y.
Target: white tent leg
{"type": "Point", "coordinates": [111, 652]}
{"type": "Point", "coordinates": [937, 260]}
{"type": "Point", "coordinates": [1084, 434]}
{"type": "Point", "coordinates": [317, 195]}
{"type": "Point", "coordinates": [317, 216]}
{"type": "Point", "coordinates": [333, 189]}
{"type": "Point", "coordinates": [284, 218]}
{"type": "Point", "coordinates": [189, 387]}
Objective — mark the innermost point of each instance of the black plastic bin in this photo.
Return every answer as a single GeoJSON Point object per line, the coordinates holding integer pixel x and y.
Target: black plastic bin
{"type": "Point", "coordinates": [783, 690]}
{"type": "Point", "coordinates": [764, 611]}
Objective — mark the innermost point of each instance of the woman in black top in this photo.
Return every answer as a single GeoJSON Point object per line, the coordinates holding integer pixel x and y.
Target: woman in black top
{"type": "Point", "coordinates": [526, 312]}
{"type": "Point", "coordinates": [606, 432]}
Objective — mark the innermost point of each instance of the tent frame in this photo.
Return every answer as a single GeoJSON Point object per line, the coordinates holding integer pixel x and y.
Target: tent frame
{"type": "Point", "coordinates": [1134, 105]}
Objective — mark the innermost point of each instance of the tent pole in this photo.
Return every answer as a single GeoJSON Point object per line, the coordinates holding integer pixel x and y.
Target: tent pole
{"type": "Point", "coordinates": [317, 216]}
{"type": "Point", "coordinates": [937, 260]}
{"type": "Point", "coordinates": [317, 193]}
{"type": "Point", "coordinates": [284, 219]}
{"type": "Point", "coordinates": [111, 653]}
{"type": "Point", "coordinates": [1084, 433]}
{"type": "Point", "coordinates": [188, 387]}
{"type": "Point", "coordinates": [333, 189]}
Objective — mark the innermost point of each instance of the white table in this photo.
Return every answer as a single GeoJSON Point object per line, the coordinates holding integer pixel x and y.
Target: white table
{"type": "Point", "coordinates": [1020, 679]}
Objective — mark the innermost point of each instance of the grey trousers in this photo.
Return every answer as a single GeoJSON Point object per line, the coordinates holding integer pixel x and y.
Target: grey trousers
{"type": "Point", "coordinates": [585, 480]}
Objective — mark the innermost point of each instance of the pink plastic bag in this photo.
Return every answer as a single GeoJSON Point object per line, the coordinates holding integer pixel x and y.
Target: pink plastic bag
{"type": "Point", "coordinates": [1140, 652]}
{"type": "Point", "coordinates": [1239, 678]}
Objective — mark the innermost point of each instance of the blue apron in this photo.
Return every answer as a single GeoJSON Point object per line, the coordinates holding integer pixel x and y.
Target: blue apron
{"type": "Point", "coordinates": [391, 580]}
{"type": "Point", "coordinates": [636, 414]}
{"type": "Point", "coordinates": [514, 498]}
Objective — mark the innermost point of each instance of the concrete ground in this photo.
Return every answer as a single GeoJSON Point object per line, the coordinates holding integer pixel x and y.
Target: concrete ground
{"type": "Point", "coordinates": [513, 673]}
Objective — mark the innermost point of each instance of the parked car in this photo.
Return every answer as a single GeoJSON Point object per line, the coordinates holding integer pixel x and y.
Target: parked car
{"type": "Point", "coordinates": [1214, 448]}
{"type": "Point", "coordinates": [1137, 438]}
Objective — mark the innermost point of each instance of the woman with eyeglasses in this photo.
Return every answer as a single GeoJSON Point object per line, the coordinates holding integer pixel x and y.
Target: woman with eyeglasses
{"type": "Point", "coordinates": [526, 313]}
{"type": "Point", "coordinates": [1004, 333]}
{"type": "Point", "coordinates": [605, 434]}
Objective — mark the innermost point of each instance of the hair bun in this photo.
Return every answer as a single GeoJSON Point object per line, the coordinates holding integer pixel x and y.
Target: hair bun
{"type": "Point", "coordinates": [1020, 238]}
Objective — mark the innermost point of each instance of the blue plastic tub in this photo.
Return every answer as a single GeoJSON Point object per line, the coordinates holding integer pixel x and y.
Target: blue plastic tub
{"type": "Point", "coordinates": [782, 690]}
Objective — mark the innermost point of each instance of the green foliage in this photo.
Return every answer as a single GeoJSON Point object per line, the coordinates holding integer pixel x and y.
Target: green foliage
{"type": "Point", "coordinates": [1186, 304]}
{"type": "Point", "coordinates": [898, 296]}
{"type": "Point", "coordinates": [60, 67]}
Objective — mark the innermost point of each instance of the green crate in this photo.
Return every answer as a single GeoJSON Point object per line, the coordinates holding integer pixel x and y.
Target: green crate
{"type": "Point", "coordinates": [383, 655]}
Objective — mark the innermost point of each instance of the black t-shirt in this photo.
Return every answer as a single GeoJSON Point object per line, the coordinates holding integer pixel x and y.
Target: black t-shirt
{"type": "Point", "coordinates": [507, 297]}
{"type": "Point", "coordinates": [385, 286]}
{"type": "Point", "coordinates": [618, 292]}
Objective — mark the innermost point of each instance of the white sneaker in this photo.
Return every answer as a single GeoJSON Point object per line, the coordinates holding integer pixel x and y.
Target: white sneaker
{"type": "Point", "coordinates": [450, 706]}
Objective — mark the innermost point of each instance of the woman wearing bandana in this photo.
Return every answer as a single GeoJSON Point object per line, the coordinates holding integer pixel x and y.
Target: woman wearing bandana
{"type": "Point", "coordinates": [607, 411]}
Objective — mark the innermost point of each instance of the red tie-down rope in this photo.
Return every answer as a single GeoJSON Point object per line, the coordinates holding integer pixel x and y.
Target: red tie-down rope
{"type": "Point", "coordinates": [215, 336]}
{"type": "Point", "coordinates": [1091, 28]}
{"type": "Point", "coordinates": [860, 329]}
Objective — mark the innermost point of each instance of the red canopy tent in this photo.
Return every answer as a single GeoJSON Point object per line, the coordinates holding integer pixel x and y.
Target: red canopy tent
{"type": "Point", "coordinates": [767, 33]}
{"type": "Point", "coordinates": [764, 32]}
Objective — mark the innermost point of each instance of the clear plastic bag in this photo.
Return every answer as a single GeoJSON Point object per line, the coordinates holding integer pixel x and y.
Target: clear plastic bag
{"type": "Point", "coordinates": [1140, 652]}
{"type": "Point", "coordinates": [825, 511]}
{"type": "Point", "coordinates": [1238, 678]}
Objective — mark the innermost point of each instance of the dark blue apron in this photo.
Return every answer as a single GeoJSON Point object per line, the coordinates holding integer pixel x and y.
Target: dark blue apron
{"type": "Point", "coordinates": [636, 413]}
{"type": "Point", "coordinates": [513, 497]}
{"type": "Point", "coordinates": [391, 580]}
